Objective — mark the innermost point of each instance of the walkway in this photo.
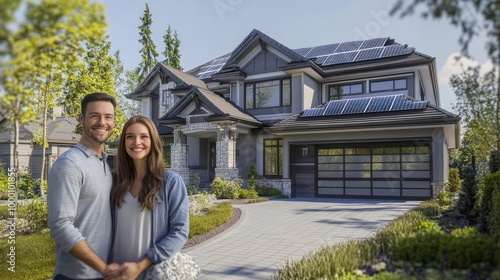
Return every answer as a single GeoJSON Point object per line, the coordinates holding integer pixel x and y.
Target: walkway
{"type": "Point", "coordinates": [269, 233]}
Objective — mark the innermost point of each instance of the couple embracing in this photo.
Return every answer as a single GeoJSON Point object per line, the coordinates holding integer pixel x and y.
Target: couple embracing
{"type": "Point", "coordinates": [109, 226]}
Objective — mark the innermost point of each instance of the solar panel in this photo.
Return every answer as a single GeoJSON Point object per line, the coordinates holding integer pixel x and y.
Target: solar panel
{"type": "Point", "coordinates": [340, 58]}
{"type": "Point", "coordinates": [302, 51]}
{"type": "Point", "coordinates": [366, 105]}
{"type": "Point", "coordinates": [395, 50]}
{"type": "Point", "coordinates": [322, 50]}
{"type": "Point", "coordinates": [368, 54]}
{"type": "Point", "coordinates": [349, 46]}
{"type": "Point", "coordinates": [322, 59]}
{"type": "Point", "coordinates": [373, 43]}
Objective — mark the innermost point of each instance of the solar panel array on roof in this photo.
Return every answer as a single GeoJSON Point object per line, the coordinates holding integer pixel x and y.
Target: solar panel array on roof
{"type": "Point", "coordinates": [331, 54]}
{"type": "Point", "coordinates": [366, 105]}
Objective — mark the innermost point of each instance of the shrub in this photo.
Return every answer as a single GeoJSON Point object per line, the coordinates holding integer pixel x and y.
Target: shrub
{"type": "Point", "coordinates": [494, 218]}
{"type": "Point", "coordinates": [263, 190]}
{"type": "Point", "coordinates": [36, 213]}
{"type": "Point", "coordinates": [194, 183]}
{"type": "Point", "coordinates": [491, 183]}
{"type": "Point", "coordinates": [258, 199]}
{"type": "Point", "coordinates": [453, 185]}
{"type": "Point", "coordinates": [226, 189]}
{"type": "Point", "coordinates": [247, 193]}
{"type": "Point", "coordinates": [444, 199]}
{"type": "Point", "coordinates": [200, 203]}
{"type": "Point", "coordinates": [467, 198]}
{"type": "Point", "coordinates": [494, 163]}
{"type": "Point", "coordinates": [252, 174]}
{"type": "Point", "coordinates": [216, 216]}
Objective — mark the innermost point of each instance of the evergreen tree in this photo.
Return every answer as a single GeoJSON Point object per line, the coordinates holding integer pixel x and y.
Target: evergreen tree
{"type": "Point", "coordinates": [171, 53]}
{"type": "Point", "coordinates": [453, 185]}
{"type": "Point", "coordinates": [148, 50]}
{"type": "Point", "coordinates": [468, 196]}
{"type": "Point", "coordinates": [126, 85]}
{"type": "Point", "coordinates": [494, 163]}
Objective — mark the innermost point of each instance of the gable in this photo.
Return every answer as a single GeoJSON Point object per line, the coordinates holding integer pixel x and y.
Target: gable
{"type": "Point", "coordinates": [264, 62]}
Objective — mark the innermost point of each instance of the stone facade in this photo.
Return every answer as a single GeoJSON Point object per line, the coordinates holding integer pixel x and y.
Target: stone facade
{"type": "Point", "coordinates": [179, 160]}
{"type": "Point", "coordinates": [284, 185]}
{"type": "Point", "coordinates": [437, 188]}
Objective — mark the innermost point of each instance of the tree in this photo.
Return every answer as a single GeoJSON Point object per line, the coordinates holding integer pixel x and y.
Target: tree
{"type": "Point", "coordinates": [171, 53]}
{"type": "Point", "coordinates": [46, 46]}
{"type": "Point", "coordinates": [9, 7]}
{"type": "Point", "coordinates": [472, 17]}
{"type": "Point", "coordinates": [148, 50]}
{"type": "Point", "coordinates": [95, 73]}
{"type": "Point", "coordinates": [467, 198]}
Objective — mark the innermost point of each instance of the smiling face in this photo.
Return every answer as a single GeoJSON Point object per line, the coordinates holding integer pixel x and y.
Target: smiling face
{"type": "Point", "coordinates": [137, 141]}
{"type": "Point", "coordinates": [98, 124]}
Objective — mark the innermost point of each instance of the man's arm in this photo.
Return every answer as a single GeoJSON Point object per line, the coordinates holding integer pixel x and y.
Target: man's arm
{"type": "Point", "coordinates": [83, 252]}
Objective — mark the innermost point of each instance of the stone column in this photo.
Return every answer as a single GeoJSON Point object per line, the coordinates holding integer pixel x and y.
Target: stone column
{"type": "Point", "coordinates": [179, 155]}
{"type": "Point", "coordinates": [226, 168]}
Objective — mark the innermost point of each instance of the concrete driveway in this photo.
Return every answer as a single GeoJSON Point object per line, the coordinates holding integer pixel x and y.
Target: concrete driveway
{"type": "Point", "coordinates": [269, 233]}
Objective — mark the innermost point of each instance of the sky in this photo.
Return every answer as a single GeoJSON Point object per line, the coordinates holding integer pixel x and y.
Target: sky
{"type": "Point", "coordinates": [210, 28]}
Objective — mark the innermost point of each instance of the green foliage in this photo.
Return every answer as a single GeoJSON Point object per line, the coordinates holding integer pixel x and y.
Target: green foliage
{"type": "Point", "coordinates": [263, 190]}
{"type": "Point", "coordinates": [258, 199]}
{"type": "Point", "coordinates": [247, 193]}
{"type": "Point", "coordinates": [252, 175]}
{"type": "Point", "coordinates": [4, 212]}
{"type": "Point", "coordinates": [494, 218]}
{"type": "Point", "coordinates": [36, 213]}
{"type": "Point", "coordinates": [216, 216]}
{"type": "Point", "coordinates": [148, 50]}
{"type": "Point", "coordinates": [171, 53]}
{"type": "Point", "coordinates": [4, 182]}
{"type": "Point", "coordinates": [35, 257]}
{"type": "Point", "coordinates": [467, 198]}
{"type": "Point", "coordinates": [491, 183]}
{"type": "Point", "coordinates": [444, 199]}
{"type": "Point", "coordinates": [26, 184]}
{"type": "Point", "coordinates": [494, 163]}
{"type": "Point", "coordinates": [226, 189]}
{"type": "Point", "coordinates": [453, 185]}
{"type": "Point", "coordinates": [193, 186]}
{"type": "Point", "coordinates": [426, 226]}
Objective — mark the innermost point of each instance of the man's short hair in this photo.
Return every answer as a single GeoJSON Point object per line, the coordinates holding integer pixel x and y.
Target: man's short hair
{"type": "Point", "coordinates": [97, 96]}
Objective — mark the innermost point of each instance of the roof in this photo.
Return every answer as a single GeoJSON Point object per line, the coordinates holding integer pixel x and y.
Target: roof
{"type": "Point", "coordinates": [342, 53]}
{"type": "Point", "coordinates": [333, 116]}
{"type": "Point", "coordinates": [219, 107]}
{"type": "Point", "coordinates": [180, 78]}
{"type": "Point", "coordinates": [60, 129]}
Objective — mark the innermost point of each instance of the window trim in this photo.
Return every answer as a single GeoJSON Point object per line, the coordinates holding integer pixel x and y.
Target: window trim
{"type": "Point", "coordinates": [393, 80]}
{"type": "Point", "coordinates": [254, 88]}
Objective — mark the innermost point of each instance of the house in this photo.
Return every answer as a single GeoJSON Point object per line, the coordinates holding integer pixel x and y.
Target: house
{"type": "Point", "coordinates": [348, 119]}
{"type": "Point", "coordinates": [60, 135]}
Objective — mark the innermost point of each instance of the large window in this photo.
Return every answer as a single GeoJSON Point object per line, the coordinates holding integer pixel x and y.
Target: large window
{"type": "Point", "coordinates": [273, 157]}
{"type": "Point", "coordinates": [337, 91]}
{"type": "Point", "coordinates": [389, 85]}
{"type": "Point", "coordinates": [267, 94]}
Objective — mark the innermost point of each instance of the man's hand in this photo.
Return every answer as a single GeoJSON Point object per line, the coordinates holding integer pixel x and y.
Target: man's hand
{"type": "Point", "coordinates": [130, 270]}
{"type": "Point", "coordinates": [112, 270]}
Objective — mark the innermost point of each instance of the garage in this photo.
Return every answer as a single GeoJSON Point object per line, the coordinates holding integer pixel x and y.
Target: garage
{"type": "Point", "coordinates": [379, 169]}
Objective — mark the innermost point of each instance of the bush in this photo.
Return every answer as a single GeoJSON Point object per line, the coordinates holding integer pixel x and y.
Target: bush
{"type": "Point", "coordinates": [494, 218]}
{"type": "Point", "coordinates": [247, 193]}
{"type": "Point", "coordinates": [444, 199]}
{"type": "Point", "coordinates": [226, 189]}
{"type": "Point", "coordinates": [263, 190]}
{"type": "Point", "coordinates": [491, 183]}
{"type": "Point", "coordinates": [453, 185]}
{"type": "Point", "coordinates": [252, 175]}
{"type": "Point", "coordinates": [216, 216]}
{"type": "Point", "coordinates": [194, 183]}
{"type": "Point", "coordinates": [494, 163]}
{"type": "Point", "coordinates": [200, 203]}
{"type": "Point", "coordinates": [467, 198]}
{"type": "Point", "coordinates": [36, 213]}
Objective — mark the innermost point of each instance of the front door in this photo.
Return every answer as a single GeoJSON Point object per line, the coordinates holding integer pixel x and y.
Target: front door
{"type": "Point", "coordinates": [302, 170]}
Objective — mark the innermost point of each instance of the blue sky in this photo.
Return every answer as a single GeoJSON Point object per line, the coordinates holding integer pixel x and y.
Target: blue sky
{"type": "Point", "coordinates": [208, 29]}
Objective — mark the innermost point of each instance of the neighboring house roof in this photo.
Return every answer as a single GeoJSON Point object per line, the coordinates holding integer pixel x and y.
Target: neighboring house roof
{"type": "Point", "coordinates": [59, 130]}
{"type": "Point", "coordinates": [182, 79]}
{"type": "Point", "coordinates": [363, 114]}
{"type": "Point", "coordinates": [219, 107]}
{"type": "Point", "coordinates": [324, 56]}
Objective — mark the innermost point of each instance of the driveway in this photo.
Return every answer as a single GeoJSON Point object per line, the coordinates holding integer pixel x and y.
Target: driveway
{"type": "Point", "coordinates": [269, 233]}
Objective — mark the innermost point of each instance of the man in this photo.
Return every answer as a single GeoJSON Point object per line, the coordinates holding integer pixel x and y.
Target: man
{"type": "Point", "coordinates": [78, 197]}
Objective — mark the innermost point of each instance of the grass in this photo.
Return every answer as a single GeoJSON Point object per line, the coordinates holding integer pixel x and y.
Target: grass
{"type": "Point", "coordinates": [35, 253]}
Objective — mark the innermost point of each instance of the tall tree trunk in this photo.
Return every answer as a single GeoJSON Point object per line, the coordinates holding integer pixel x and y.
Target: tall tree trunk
{"type": "Point", "coordinates": [44, 139]}
{"type": "Point", "coordinates": [16, 155]}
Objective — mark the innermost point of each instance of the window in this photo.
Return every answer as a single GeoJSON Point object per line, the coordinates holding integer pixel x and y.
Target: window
{"type": "Point", "coordinates": [388, 85]}
{"type": "Point", "coordinates": [337, 91]}
{"type": "Point", "coordinates": [273, 157]}
{"type": "Point", "coordinates": [267, 94]}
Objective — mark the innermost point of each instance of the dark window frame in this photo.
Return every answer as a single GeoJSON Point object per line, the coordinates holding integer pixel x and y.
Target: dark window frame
{"type": "Point", "coordinates": [279, 159]}
{"type": "Point", "coordinates": [338, 86]}
{"type": "Point", "coordinates": [254, 96]}
{"type": "Point", "coordinates": [393, 80]}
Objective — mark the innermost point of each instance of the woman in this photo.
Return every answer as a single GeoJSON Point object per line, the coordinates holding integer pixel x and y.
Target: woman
{"type": "Point", "coordinates": [151, 215]}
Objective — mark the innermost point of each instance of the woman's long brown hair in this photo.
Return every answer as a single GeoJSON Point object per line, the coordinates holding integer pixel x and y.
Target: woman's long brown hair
{"type": "Point", "coordinates": [125, 167]}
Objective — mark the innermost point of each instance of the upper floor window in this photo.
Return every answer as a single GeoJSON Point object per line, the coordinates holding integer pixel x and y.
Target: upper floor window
{"type": "Point", "coordinates": [266, 94]}
{"type": "Point", "coordinates": [337, 91]}
{"type": "Point", "coordinates": [389, 85]}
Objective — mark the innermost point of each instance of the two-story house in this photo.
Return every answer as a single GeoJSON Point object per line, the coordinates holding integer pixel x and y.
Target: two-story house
{"type": "Point", "coordinates": [350, 119]}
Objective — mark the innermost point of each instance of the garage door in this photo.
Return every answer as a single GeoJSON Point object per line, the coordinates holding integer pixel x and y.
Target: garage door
{"type": "Point", "coordinates": [401, 169]}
